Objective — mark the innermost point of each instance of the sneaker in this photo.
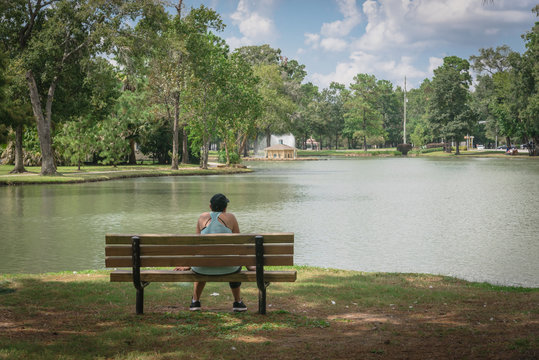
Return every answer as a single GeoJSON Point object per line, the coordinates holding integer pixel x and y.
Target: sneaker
{"type": "Point", "coordinates": [195, 305]}
{"type": "Point", "coordinates": [239, 306]}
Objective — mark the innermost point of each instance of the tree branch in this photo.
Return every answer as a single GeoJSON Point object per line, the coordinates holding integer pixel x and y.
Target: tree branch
{"type": "Point", "coordinates": [66, 56]}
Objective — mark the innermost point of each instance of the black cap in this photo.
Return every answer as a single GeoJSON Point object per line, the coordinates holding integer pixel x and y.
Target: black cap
{"type": "Point", "coordinates": [218, 202]}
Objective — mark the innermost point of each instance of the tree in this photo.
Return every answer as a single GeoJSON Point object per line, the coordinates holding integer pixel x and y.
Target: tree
{"type": "Point", "coordinates": [238, 104]}
{"type": "Point", "coordinates": [332, 112]}
{"type": "Point", "coordinates": [260, 55]}
{"type": "Point", "coordinates": [15, 111]}
{"type": "Point", "coordinates": [279, 88]}
{"type": "Point", "coordinates": [390, 106]}
{"type": "Point", "coordinates": [304, 117]}
{"type": "Point", "coordinates": [277, 107]}
{"type": "Point", "coordinates": [208, 64]}
{"type": "Point", "coordinates": [524, 85]}
{"type": "Point", "coordinates": [52, 37]}
{"type": "Point", "coordinates": [362, 117]}
{"type": "Point", "coordinates": [451, 115]}
{"type": "Point", "coordinates": [493, 99]}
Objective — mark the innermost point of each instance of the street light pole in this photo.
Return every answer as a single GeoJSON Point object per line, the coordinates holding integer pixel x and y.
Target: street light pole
{"type": "Point", "coordinates": [404, 127]}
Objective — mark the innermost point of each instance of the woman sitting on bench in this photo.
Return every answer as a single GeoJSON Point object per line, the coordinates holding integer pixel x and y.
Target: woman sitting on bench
{"type": "Point", "coordinates": [218, 221]}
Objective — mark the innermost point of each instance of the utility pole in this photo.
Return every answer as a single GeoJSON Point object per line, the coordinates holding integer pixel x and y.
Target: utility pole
{"type": "Point", "coordinates": [405, 99]}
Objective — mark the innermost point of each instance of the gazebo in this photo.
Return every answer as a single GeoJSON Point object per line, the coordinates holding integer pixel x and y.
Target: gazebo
{"type": "Point", "coordinates": [280, 151]}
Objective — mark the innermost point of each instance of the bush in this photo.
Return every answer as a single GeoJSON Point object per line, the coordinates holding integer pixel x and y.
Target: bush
{"type": "Point", "coordinates": [234, 157]}
{"type": "Point", "coordinates": [404, 148]}
{"type": "Point", "coordinates": [426, 151]}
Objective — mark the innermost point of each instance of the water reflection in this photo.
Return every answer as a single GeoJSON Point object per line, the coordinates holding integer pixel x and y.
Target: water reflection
{"type": "Point", "coordinates": [470, 218]}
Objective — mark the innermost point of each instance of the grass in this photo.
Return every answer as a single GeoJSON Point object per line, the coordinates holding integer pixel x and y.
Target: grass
{"type": "Point", "coordinates": [70, 174]}
{"type": "Point", "coordinates": [326, 313]}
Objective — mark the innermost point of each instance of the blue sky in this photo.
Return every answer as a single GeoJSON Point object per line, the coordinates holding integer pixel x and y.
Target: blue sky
{"type": "Point", "coordinates": [337, 39]}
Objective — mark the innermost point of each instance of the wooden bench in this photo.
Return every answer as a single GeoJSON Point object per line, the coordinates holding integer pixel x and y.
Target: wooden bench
{"type": "Point", "coordinates": [150, 250]}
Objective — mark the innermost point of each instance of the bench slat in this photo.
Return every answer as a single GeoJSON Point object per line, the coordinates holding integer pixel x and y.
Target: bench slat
{"type": "Point", "coordinates": [189, 276]}
{"type": "Point", "coordinates": [190, 239]}
{"type": "Point", "coordinates": [203, 260]}
{"type": "Point", "coordinates": [241, 249]}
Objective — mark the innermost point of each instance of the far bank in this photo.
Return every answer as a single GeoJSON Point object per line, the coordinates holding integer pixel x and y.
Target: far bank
{"type": "Point", "coordinates": [70, 174]}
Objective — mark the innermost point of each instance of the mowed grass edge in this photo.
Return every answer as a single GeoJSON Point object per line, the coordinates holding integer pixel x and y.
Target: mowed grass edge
{"type": "Point", "coordinates": [104, 173]}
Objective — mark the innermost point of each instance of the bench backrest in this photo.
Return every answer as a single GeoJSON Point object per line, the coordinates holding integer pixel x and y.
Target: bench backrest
{"type": "Point", "coordinates": [164, 250]}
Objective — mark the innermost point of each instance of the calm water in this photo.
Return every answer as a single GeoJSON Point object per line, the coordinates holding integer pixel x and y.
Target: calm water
{"type": "Point", "coordinates": [476, 219]}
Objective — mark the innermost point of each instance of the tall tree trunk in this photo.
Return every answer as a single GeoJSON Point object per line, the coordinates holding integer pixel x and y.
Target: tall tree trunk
{"type": "Point", "coordinates": [243, 148]}
{"type": "Point", "coordinates": [255, 145]}
{"type": "Point", "coordinates": [457, 150]}
{"type": "Point", "coordinates": [132, 157]}
{"type": "Point", "coordinates": [364, 131]}
{"type": "Point", "coordinates": [205, 137]}
{"type": "Point", "coordinates": [175, 131]}
{"type": "Point", "coordinates": [227, 154]}
{"type": "Point", "coordinates": [508, 141]}
{"type": "Point", "coordinates": [268, 137]}
{"type": "Point", "coordinates": [48, 166]}
{"type": "Point", "coordinates": [185, 150]}
{"type": "Point", "coordinates": [19, 163]}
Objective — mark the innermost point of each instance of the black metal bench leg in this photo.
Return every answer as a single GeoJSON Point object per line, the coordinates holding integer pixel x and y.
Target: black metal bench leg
{"type": "Point", "coordinates": [135, 246]}
{"type": "Point", "coordinates": [262, 301]}
{"type": "Point", "coordinates": [261, 284]}
{"type": "Point", "coordinates": [140, 301]}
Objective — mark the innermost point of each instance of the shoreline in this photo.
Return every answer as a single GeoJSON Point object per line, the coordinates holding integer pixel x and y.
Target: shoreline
{"type": "Point", "coordinates": [78, 177]}
{"type": "Point", "coordinates": [482, 284]}
{"type": "Point", "coordinates": [68, 174]}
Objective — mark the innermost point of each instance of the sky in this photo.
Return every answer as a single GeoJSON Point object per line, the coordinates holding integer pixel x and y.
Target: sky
{"type": "Point", "coordinates": [391, 39]}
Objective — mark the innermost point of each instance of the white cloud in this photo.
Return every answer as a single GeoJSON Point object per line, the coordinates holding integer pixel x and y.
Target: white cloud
{"type": "Point", "coordinates": [352, 18]}
{"type": "Point", "coordinates": [369, 63]}
{"type": "Point", "coordinates": [401, 23]}
{"type": "Point", "coordinates": [434, 63]}
{"type": "Point", "coordinates": [254, 27]}
{"type": "Point", "coordinates": [331, 37]}
{"type": "Point", "coordinates": [399, 35]}
{"type": "Point", "coordinates": [333, 44]}
{"type": "Point", "coordinates": [312, 39]}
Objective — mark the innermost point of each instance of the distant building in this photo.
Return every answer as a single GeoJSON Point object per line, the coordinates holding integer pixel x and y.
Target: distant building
{"type": "Point", "coordinates": [312, 144]}
{"type": "Point", "coordinates": [280, 151]}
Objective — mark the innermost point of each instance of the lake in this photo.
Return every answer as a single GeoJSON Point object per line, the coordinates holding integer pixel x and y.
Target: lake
{"type": "Point", "coordinates": [475, 219]}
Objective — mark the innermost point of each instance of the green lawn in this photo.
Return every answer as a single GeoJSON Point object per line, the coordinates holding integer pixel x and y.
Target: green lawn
{"type": "Point", "coordinates": [70, 174]}
{"type": "Point", "coordinates": [325, 314]}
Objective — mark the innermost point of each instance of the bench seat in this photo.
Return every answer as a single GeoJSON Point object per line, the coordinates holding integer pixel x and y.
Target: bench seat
{"type": "Point", "coordinates": [189, 276]}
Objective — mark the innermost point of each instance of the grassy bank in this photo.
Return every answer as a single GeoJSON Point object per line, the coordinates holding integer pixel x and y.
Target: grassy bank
{"type": "Point", "coordinates": [348, 153]}
{"type": "Point", "coordinates": [70, 174]}
{"type": "Point", "coordinates": [326, 314]}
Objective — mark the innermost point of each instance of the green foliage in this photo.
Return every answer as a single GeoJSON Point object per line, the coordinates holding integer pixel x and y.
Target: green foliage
{"type": "Point", "coordinates": [155, 141]}
{"type": "Point", "coordinates": [233, 157]}
{"type": "Point", "coordinates": [426, 151]}
{"type": "Point", "coordinates": [451, 116]}
{"type": "Point", "coordinates": [173, 68]}
{"type": "Point", "coordinates": [77, 139]}
{"type": "Point", "coordinates": [363, 118]}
